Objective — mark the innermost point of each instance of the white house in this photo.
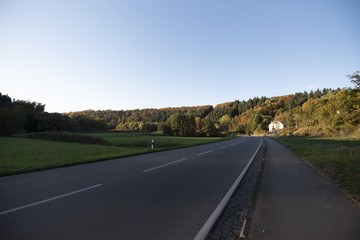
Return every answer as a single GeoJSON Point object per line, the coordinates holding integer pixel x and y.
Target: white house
{"type": "Point", "coordinates": [275, 125]}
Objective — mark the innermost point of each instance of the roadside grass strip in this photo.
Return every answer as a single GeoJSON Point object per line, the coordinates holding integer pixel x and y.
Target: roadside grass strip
{"type": "Point", "coordinates": [160, 142]}
{"type": "Point", "coordinates": [21, 155]}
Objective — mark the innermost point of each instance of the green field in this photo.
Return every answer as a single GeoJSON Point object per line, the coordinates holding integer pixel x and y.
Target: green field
{"type": "Point", "coordinates": [19, 155]}
{"type": "Point", "coordinates": [160, 142]}
{"type": "Point", "coordinates": [339, 159]}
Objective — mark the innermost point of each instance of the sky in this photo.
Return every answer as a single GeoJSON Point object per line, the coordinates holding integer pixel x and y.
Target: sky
{"type": "Point", "coordinates": [74, 55]}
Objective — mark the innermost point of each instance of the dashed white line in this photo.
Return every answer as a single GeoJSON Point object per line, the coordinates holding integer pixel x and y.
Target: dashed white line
{"type": "Point", "coordinates": [204, 153]}
{"type": "Point", "coordinates": [167, 164]}
{"type": "Point", "coordinates": [49, 199]}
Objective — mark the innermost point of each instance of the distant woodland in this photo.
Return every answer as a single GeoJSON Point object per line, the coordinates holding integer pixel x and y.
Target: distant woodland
{"type": "Point", "coordinates": [327, 112]}
{"type": "Point", "coordinates": [18, 116]}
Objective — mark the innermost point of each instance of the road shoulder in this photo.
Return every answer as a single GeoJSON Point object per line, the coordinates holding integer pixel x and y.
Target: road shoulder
{"type": "Point", "coordinates": [296, 202]}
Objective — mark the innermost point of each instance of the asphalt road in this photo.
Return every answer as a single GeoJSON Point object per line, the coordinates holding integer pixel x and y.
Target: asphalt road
{"type": "Point", "coordinates": [164, 195]}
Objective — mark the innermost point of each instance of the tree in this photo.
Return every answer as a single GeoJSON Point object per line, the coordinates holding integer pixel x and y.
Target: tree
{"type": "Point", "coordinates": [208, 128]}
{"type": "Point", "coordinates": [12, 120]}
{"type": "Point", "coordinates": [30, 109]}
{"type": "Point", "coordinates": [355, 79]}
{"type": "Point", "coordinates": [5, 100]}
{"type": "Point", "coordinates": [181, 125]}
{"type": "Point", "coordinates": [266, 120]}
{"type": "Point", "coordinates": [47, 122]}
{"type": "Point", "coordinates": [225, 122]}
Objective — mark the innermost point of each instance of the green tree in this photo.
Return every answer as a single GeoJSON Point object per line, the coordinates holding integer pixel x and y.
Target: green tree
{"type": "Point", "coordinates": [182, 125]}
{"type": "Point", "coordinates": [225, 122]}
{"type": "Point", "coordinates": [30, 109]}
{"type": "Point", "coordinates": [12, 120]}
{"type": "Point", "coordinates": [266, 120]}
{"type": "Point", "coordinates": [355, 79]}
{"type": "Point", "coordinates": [208, 128]}
{"type": "Point", "coordinates": [5, 101]}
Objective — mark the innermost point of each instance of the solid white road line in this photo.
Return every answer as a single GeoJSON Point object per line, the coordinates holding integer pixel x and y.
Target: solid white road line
{"type": "Point", "coordinates": [204, 231]}
{"type": "Point", "coordinates": [148, 170]}
{"type": "Point", "coordinates": [49, 199]}
{"type": "Point", "coordinates": [205, 153]}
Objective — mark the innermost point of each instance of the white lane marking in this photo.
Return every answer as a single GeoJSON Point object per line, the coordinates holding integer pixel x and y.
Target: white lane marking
{"type": "Point", "coordinates": [222, 147]}
{"type": "Point", "coordinates": [204, 153]}
{"type": "Point", "coordinates": [49, 199]}
{"type": "Point", "coordinates": [167, 164]}
{"type": "Point", "coordinates": [204, 231]}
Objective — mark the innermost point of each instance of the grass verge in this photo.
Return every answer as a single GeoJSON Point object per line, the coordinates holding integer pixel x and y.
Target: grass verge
{"type": "Point", "coordinates": [337, 158]}
{"type": "Point", "coordinates": [160, 142]}
{"type": "Point", "coordinates": [20, 155]}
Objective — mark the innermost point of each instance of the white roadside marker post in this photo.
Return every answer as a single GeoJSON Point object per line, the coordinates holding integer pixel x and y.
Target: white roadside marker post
{"type": "Point", "coordinates": [152, 144]}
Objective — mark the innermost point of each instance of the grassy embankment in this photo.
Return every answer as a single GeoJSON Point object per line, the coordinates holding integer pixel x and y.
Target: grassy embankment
{"type": "Point", "coordinates": [19, 155]}
{"type": "Point", "coordinates": [337, 158]}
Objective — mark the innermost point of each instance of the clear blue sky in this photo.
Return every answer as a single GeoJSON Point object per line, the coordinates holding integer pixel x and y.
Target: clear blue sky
{"type": "Point", "coordinates": [78, 55]}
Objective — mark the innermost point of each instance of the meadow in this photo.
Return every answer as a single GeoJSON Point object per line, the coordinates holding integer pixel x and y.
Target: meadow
{"type": "Point", "coordinates": [22, 154]}
{"type": "Point", "coordinates": [145, 140]}
{"type": "Point", "coordinates": [337, 158]}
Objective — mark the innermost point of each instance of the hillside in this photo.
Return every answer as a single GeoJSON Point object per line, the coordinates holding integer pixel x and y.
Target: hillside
{"type": "Point", "coordinates": [324, 112]}
{"type": "Point", "coordinates": [320, 113]}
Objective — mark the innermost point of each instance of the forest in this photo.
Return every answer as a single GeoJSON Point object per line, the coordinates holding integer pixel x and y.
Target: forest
{"type": "Point", "coordinates": [18, 116]}
{"type": "Point", "coordinates": [326, 112]}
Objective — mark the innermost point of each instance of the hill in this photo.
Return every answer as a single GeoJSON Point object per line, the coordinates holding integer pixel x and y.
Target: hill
{"type": "Point", "coordinates": [324, 112]}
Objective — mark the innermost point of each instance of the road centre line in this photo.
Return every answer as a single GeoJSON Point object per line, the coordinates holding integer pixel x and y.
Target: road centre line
{"type": "Point", "coordinates": [49, 199]}
{"type": "Point", "coordinates": [204, 153]}
{"type": "Point", "coordinates": [167, 164]}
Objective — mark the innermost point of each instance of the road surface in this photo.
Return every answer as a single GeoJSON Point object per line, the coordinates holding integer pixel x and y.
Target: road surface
{"type": "Point", "coordinates": [164, 195]}
{"type": "Point", "coordinates": [296, 202]}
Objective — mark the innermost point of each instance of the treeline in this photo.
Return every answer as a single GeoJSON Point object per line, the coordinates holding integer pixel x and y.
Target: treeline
{"type": "Point", "coordinates": [251, 116]}
{"type": "Point", "coordinates": [326, 112]}
{"type": "Point", "coordinates": [142, 120]}
{"type": "Point", "coordinates": [335, 114]}
{"type": "Point", "coordinates": [18, 116]}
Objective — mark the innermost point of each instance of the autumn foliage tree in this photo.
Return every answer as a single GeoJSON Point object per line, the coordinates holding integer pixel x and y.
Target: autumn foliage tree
{"type": "Point", "coordinates": [327, 112]}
